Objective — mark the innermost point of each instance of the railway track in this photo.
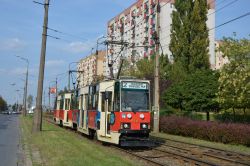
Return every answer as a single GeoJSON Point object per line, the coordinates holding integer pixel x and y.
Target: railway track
{"type": "Point", "coordinates": [169, 152]}
{"type": "Point", "coordinates": [206, 153]}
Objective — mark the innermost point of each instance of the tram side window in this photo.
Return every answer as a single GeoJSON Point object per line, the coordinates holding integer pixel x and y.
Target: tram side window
{"type": "Point", "coordinates": [74, 103]}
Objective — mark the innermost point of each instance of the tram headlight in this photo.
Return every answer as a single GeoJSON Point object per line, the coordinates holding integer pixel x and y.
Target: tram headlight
{"type": "Point", "coordinates": [125, 126]}
{"type": "Point", "coordinates": [144, 126]}
{"type": "Point", "coordinates": [142, 116]}
{"type": "Point", "coordinates": [129, 116]}
{"type": "Point", "coordinates": [123, 116]}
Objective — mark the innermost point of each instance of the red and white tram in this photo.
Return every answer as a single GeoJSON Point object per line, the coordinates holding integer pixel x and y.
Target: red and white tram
{"type": "Point", "coordinates": [114, 111]}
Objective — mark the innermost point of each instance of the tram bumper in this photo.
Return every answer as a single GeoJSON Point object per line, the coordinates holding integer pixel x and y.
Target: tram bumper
{"type": "Point", "coordinates": [135, 138]}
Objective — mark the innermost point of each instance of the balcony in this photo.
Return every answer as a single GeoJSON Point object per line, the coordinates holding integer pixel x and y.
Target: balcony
{"type": "Point", "coordinates": [151, 42]}
{"type": "Point", "coordinates": [152, 11]}
{"type": "Point", "coordinates": [152, 31]}
{"type": "Point", "coordinates": [152, 52]}
{"type": "Point", "coordinates": [152, 2]}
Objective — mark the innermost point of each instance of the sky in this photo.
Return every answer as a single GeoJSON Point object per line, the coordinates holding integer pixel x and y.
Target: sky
{"type": "Point", "coordinates": [85, 20]}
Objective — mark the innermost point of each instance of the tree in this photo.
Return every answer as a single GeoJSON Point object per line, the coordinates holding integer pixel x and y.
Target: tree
{"type": "Point", "coordinates": [3, 104]}
{"type": "Point", "coordinates": [236, 49]}
{"type": "Point", "coordinates": [196, 93]}
{"type": "Point", "coordinates": [180, 32]}
{"type": "Point", "coordinates": [189, 34]}
{"type": "Point", "coordinates": [234, 81]}
{"type": "Point", "coordinates": [30, 101]}
{"type": "Point", "coordinates": [199, 41]}
{"type": "Point", "coordinates": [234, 86]}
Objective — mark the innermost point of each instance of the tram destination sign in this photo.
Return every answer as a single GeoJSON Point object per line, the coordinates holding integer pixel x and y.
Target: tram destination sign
{"type": "Point", "coordinates": [135, 85]}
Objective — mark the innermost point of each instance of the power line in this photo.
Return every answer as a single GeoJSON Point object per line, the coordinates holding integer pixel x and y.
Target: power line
{"type": "Point", "coordinates": [223, 7]}
{"type": "Point", "coordinates": [237, 18]}
{"type": "Point", "coordinates": [64, 33]}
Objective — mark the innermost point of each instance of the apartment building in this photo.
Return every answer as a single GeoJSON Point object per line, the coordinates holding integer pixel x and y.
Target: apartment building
{"type": "Point", "coordinates": [138, 23]}
{"type": "Point", "coordinates": [92, 68]}
{"type": "Point", "coordinates": [220, 60]}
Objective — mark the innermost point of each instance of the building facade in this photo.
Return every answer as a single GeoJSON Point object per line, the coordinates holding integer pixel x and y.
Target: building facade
{"type": "Point", "coordinates": [220, 60]}
{"type": "Point", "coordinates": [138, 23]}
{"type": "Point", "coordinates": [91, 69]}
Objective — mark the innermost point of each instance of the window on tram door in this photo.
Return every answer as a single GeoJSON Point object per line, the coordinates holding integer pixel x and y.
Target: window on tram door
{"type": "Point", "coordinates": [85, 106]}
{"type": "Point", "coordinates": [61, 104]}
{"type": "Point", "coordinates": [103, 102]}
{"type": "Point", "coordinates": [67, 102]}
{"type": "Point", "coordinates": [81, 102]}
{"type": "Point", "coordinates": [90, 102]}
{"type": "Point", "coordinates": [109, 101]}
{"type": "Point", "coordinates": [117, 97]}
{"type": "Point", "coordinates": [95, 101]}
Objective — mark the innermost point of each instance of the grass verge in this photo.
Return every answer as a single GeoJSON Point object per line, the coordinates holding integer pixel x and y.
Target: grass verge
{"type": "Point", "coordinates": [234, 148]}
{"type": "Point", "coordinates": [58, 147]}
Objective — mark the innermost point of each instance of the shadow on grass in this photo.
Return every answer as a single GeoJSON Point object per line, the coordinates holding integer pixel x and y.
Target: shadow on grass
{"type": "Point", "coordinates": [47, 130]}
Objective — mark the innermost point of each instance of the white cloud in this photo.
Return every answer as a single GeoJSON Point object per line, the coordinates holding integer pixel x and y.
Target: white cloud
{"type": "Point", "coordinates": [53, 63]}
{"type": "Point", "coordinates": [79, 47]}
{"type": "Point", "coordinates": [12, 44]}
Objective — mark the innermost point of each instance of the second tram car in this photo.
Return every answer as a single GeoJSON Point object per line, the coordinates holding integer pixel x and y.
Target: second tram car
{"type": "Point", "coordinates": [114, 111]}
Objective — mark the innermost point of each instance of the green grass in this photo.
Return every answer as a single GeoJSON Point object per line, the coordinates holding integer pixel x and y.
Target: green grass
{"type": "Point", "coordinates": [235, 148]}
{"type": "Point", "coordinates": [59, 147]}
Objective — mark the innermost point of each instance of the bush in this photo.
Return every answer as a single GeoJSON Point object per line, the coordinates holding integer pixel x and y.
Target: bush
{"type": "Point", "coordinates": [212, 131]}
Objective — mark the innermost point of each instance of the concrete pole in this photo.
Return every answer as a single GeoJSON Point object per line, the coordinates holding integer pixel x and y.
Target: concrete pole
{"type": "Point", "coordinates": [49, 99]}
{"type": "Point", "coordinates": [156, 108]}
{"type": "Point", "coordinates": [26, 90]}
{"type": "Point", "coordinates": [37, 121]}
{"type": "Point", "coordinates": [69, 79]}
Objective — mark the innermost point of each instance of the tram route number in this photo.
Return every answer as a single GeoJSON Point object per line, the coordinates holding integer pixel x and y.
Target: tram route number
{"type": "Point", "coordinates": [134, 85]}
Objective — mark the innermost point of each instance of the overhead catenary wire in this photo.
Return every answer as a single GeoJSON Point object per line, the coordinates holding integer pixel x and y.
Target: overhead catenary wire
{"type": "Point", "coordinates": [223, 7]}
{"type": "Point", "coordinates": [232, 20]}
{"type": "Point", "coordinates": [65, 33]}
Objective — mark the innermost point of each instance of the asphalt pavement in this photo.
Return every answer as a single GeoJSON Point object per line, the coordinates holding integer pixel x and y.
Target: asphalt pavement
{"type": "Point", "coordinates": [9, 140]}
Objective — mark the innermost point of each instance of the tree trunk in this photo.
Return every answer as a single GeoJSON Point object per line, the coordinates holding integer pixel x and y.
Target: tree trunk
{"type": "Point", "coordinates": [244, 110]}
{"type": "Point", "coordinates": [208, 116]}
{"type": "Point", "coordinates": [233, 114]}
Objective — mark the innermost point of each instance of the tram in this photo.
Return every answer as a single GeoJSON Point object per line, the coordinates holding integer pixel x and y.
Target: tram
{"type": "Point", "coordinates": [113, 111]}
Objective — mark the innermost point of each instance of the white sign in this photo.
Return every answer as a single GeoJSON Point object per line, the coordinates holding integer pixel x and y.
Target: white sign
{"type": "Point", "coordinates": [134, 85]}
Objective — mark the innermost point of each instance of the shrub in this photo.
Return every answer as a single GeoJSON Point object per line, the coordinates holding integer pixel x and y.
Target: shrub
{"type": "Point", "coordinates": [232, 133]}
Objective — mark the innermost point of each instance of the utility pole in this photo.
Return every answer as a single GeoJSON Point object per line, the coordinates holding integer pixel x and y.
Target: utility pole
{"type": "Point", "coordinates": [156, 107]}
{"type": "Point", "coordinates": [49, 99]}
{"type": "Point", "coordinates": [37, 121]}
{"type": "Point", "coordinates": [25, 92]}
{"type": "Point", "coordinates": [26, 85]}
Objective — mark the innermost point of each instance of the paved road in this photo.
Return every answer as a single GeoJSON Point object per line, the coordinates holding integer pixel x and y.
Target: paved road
{"type": "Point", "coordinates": [9, 140]}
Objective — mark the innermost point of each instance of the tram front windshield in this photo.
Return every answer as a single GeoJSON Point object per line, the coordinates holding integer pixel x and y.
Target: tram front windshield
{"type": "Point", "coordinates": [136, 100]}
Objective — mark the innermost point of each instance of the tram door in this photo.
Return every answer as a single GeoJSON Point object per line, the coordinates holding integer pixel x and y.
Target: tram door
{"type": "Point", "coordinates": [108, 108]}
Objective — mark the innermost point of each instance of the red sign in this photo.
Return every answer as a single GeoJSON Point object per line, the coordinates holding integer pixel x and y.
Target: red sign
{"type": "Point", "coordinates": [52, 90]}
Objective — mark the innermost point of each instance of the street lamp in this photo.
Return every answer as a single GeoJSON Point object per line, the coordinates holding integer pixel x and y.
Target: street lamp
{"type": "Point", "coordinates": [26, 84]}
